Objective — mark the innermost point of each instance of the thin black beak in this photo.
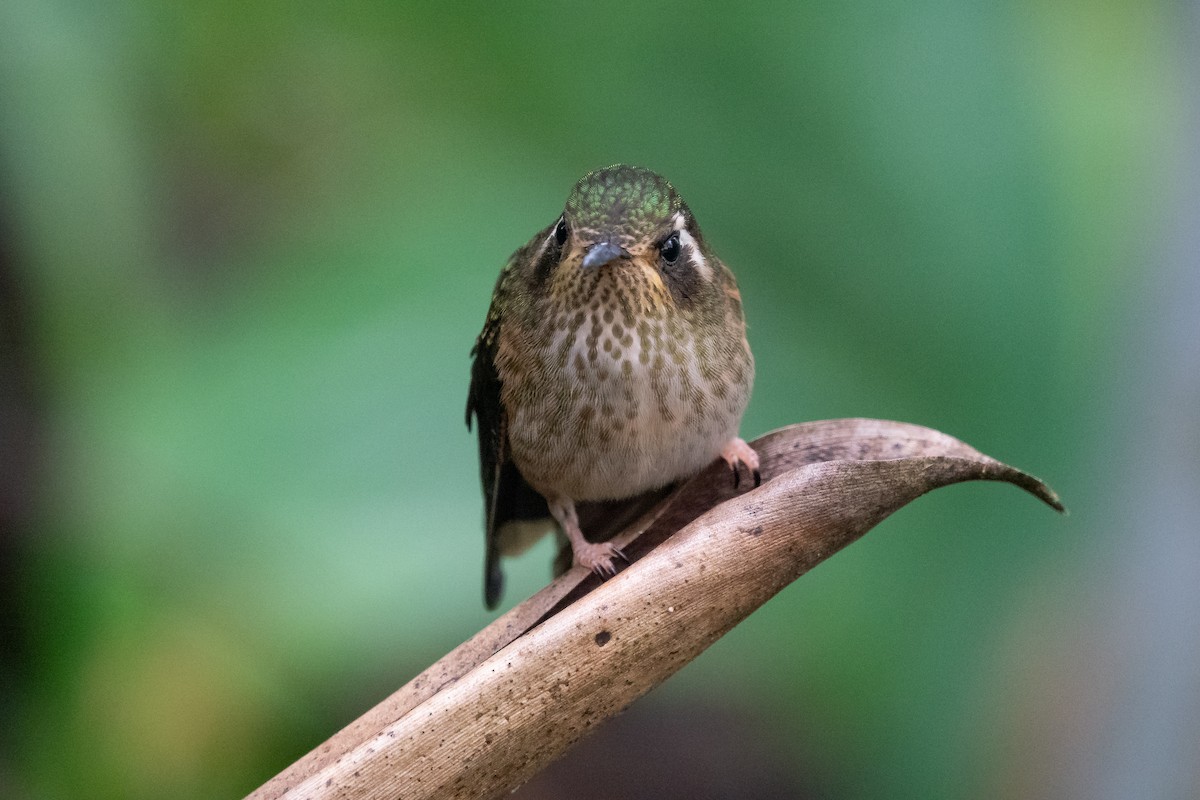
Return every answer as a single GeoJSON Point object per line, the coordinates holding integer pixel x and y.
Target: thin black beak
{"type": "Point", "coordinates": [602, 253]}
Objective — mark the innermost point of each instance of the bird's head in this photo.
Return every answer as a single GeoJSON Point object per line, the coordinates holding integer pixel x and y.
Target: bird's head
{"type": "Point", "coordinates": [630, 222]}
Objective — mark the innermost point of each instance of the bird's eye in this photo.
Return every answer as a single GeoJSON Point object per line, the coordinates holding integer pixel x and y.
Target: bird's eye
{"type": "Point", "coordinates": [669, 249]}
{"type": "Point", "coordinates": [560, 232]}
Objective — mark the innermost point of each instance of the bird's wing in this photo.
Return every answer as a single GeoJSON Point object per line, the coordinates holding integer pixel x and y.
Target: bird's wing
{"type": "Point", "coordinates": [506, 495]}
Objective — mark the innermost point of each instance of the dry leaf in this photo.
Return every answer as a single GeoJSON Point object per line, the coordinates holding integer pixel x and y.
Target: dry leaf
{"type": "Point", "coordinates": [502, 705]}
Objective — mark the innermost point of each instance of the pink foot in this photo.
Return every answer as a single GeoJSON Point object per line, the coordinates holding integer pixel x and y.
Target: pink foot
{"type": "Point", "coordinates": [598, 557]}
{"type": "Point", "coordinates": [736, 452]}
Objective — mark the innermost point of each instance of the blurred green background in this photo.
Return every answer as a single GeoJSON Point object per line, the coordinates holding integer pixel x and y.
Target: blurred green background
{"type": "Point", "coordinates": [245, 248]}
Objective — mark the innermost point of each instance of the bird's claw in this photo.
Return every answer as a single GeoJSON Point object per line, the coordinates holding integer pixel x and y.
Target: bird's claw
{"type": "Point", "coordinates": [737, 474]}
{"type": "Point", "coordinates": [737, 454]}
{"type": "Point", "coordinates": [599, 558]}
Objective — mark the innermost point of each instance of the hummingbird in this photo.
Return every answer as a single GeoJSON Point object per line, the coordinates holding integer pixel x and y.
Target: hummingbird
{"type": "Point", "coordinates": [613, 361]}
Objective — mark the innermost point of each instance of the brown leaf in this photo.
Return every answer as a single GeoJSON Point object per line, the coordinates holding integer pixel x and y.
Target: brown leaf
{"type": "Point", "coordinates": [505, 703]}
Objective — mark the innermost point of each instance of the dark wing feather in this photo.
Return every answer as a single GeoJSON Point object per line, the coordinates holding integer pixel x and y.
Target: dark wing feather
{"type": "Point", "coordinates": [506, 495]}
{"type": "Point", "coordinates": [483, 402]}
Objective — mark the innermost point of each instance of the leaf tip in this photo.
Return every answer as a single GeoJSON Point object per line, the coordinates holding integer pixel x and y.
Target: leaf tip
{"type": "Point", "coordinates": [1041, 491]}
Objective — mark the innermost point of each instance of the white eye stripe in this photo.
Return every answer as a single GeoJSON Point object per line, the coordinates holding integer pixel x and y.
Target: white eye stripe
{"type": "Point", "coordinates": [550, 238]}
{"type": "Point", "coordinates": [698, 260]}
{"type": "Point", "coordinates": [541, 251]}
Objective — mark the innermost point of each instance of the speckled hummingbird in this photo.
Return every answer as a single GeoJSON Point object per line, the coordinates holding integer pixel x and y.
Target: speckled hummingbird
{"type": "Point", "coordinates": [613, 361]}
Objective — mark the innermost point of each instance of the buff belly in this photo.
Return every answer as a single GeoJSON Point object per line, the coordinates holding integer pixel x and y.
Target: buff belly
{"type": "Point", "coordinates": [613, 422]}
